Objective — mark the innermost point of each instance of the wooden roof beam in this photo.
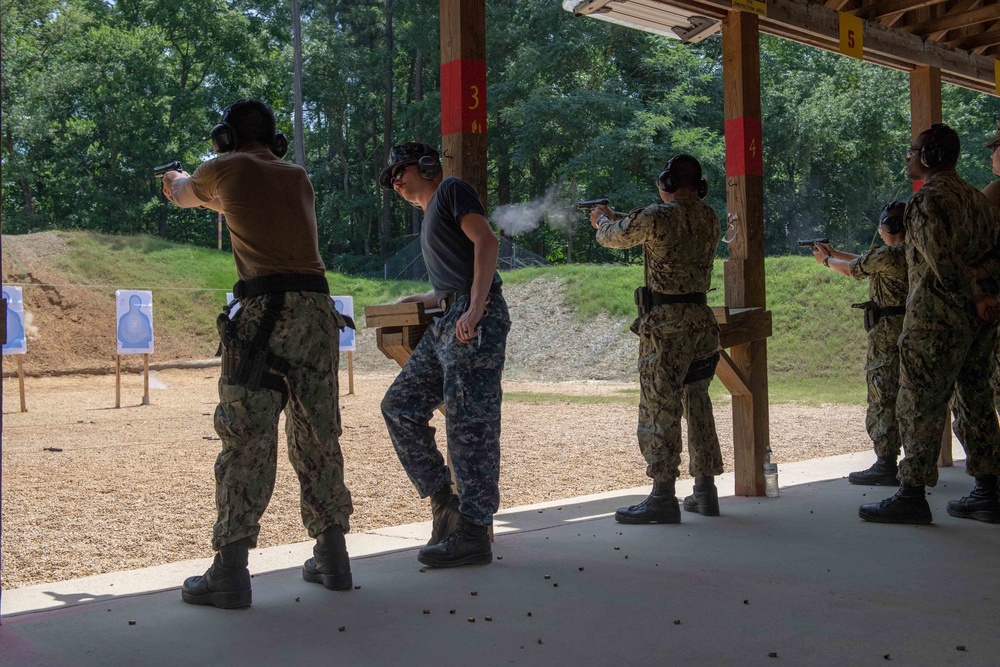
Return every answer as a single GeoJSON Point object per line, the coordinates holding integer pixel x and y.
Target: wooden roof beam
{"type": "Point", "coordinates": [951, 21]}
{"type": "Point", "coordinates": [877, 10]}
{"type": "Point", "coordinates": [959, 7]}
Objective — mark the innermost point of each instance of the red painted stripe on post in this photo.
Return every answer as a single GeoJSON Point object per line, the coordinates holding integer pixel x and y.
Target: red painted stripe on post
{"type": "Point", "coordinates": [744, 147]}
{"type": "Point", "coordinates": [463, 97]}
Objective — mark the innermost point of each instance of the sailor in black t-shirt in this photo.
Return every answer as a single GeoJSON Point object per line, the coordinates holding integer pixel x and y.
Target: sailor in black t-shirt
{"type": "Point", "coordinates": [457, 363]}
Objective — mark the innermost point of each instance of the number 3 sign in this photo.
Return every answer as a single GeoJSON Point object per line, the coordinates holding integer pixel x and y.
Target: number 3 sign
{"type": "Point", "coordinates": [463, 97]}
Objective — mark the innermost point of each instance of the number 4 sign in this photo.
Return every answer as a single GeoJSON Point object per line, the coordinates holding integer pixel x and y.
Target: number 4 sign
{"type": "Point", "coordinates": [852, 42]}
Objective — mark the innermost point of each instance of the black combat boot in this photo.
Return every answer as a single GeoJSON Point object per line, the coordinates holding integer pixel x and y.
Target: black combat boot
{"type": "Point", "coordinates": [705, 499]}
{"type": "Point", "coordinates": [444, 508]}
{"type": "Point", "coordinates": [226, 584]}
{"type": "Point", "coordinates": [909, 505]}
{"type": "Point", "coordinates": [660, 507]}
{"type": "Point", "coordinates": [983, 504]}
{"type": "Point", "coordinates": [330, 564]}
{"type": "Point", "coordinates": [468, 544]}
{"type": "Point", "coordinates": [882, 473]}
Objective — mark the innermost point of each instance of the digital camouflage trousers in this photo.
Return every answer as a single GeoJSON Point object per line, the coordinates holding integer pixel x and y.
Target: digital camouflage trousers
{"type": "Point", "coordinates": [465, 378]}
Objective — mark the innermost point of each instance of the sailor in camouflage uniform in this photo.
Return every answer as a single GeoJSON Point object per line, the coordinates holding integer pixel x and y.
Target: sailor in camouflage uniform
{"type": "Point", "coordinates": [992, 192]}
{"type": "Point", "coordinates": [280, 354]}
{"type": "Point", "coordinates": [458, 362]}
{"type": "Point", "coordinates": [884, 267]}
{"type": "Point", "coordinates": [945, 347]}
{"type": "Point", "coordinates": [678, 338]}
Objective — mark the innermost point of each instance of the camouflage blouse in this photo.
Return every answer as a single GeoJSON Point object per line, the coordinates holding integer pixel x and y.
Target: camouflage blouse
{"type": "Point", "coordinates": [679, 240]}
{"type": "Point", "coordinates": [885, 269]}
{"type": "Point", "coordinates": [950, 226]}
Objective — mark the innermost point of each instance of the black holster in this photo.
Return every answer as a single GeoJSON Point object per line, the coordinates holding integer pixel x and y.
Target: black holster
{"type": "Point", "coordinates": [249, 363]}
{"type": "Point", "coordinates": [702, 369]}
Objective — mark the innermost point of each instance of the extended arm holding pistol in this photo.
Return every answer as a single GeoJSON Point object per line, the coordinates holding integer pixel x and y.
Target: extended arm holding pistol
{"type": "Point", "coordinates": [589, 204]}
{"type": "Point", "coordinates": [811, 243]}
{"type": "Point", "coordinates": [158, 172]}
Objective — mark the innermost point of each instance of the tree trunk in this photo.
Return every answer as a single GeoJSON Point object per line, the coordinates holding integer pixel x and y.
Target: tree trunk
{"type": "Point", "coordinates": [300, 141]}
{"type": "Point", "coordinates": [503, 164]}
{"type": "Point", "coordinates": [386, 226]}
{"type": "Point", "coordinates": [418, 96]}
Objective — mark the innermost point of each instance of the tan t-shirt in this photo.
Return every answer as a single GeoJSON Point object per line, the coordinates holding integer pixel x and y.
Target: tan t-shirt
{"type": "Point", "coordinates": [270, 211]}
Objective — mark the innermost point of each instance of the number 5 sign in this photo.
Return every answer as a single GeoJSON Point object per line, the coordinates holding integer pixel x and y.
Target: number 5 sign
{"type": "Point", "coordinates": [852, 42]}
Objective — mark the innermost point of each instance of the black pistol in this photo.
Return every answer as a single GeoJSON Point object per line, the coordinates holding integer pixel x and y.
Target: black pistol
{"type": "Point", "coordinates": [811, 243]}
{"type": "Point", "coordinates": [589, 204]}
{"type": "Point", "coordinates": [158, 172]}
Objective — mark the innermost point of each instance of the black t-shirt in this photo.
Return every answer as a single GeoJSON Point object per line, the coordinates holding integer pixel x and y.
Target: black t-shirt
{"type": "Point", "coordinates": [449, 255]}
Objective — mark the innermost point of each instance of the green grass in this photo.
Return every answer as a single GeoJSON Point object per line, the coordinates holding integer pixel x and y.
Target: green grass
{"type": "Point", "coordinates": [815, 355]}
{"type": "Point", "coordinates": [817, 351]}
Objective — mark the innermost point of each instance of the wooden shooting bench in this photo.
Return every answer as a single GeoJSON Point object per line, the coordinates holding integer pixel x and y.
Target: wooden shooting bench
{"type": "Point", "coordinates": [738, 326]}
{"type": "Point", "coordinates": [398, 328]}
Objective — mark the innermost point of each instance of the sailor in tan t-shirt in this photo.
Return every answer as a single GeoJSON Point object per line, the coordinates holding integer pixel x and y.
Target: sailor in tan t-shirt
{"type": "Point", "coordinates": [280, 353]}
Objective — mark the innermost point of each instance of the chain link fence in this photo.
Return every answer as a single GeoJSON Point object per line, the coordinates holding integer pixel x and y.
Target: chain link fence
{"type": "Point", "coordinates": [408, 263]}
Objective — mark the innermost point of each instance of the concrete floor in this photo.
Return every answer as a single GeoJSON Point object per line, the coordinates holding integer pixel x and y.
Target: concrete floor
{"type": "Point", "coordinates": [797, 580]}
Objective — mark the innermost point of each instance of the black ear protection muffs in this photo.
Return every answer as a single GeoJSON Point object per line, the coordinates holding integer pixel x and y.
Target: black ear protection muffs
{"type": "Point", "coordinates": [225, 139]}
{"type": "Point", "coordinates": [893, 223]}
{"type": "Point", "coordinates": [668, 182]}
{"type": "Point", "coordinates": [428, 168]}
{"type": "Point", "coordinates": [931, 153]}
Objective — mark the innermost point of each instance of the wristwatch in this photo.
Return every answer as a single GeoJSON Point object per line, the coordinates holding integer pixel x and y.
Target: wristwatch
{"type": "Point", "coordinates": [826, 262]}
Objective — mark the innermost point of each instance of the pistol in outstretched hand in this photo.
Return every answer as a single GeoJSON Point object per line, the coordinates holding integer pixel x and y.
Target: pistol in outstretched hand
{"type": "Point", "coordinates": [811, 243]}
{"type": "Point", "coordinates": [588, 204]}
{"type": "Point", "coordinates": [158, 172]}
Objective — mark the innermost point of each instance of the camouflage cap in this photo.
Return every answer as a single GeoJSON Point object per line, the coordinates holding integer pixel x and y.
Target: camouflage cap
{"type": "Point", "coordinates": [407, 153]}
{"type": "Point", "coordinates": [995, 141]}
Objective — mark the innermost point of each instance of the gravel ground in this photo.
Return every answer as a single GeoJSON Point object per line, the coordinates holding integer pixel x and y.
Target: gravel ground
{"type": "Point", "coordinates": [89, 489]}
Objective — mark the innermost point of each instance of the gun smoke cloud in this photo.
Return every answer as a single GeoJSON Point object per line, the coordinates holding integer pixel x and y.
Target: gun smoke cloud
{"type": "Point", "coordinates": [553, 208]}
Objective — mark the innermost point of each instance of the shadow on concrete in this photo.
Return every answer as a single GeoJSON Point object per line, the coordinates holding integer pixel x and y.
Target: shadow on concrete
{"type": "Point", "coordinates": [797, 580]}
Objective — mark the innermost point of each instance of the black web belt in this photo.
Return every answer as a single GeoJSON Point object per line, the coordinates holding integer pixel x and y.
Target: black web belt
{"type": "Point", "coordinates": [449, 300]}
{"type": "Point", "coordinates": [646, 299]}
{"type": "Point", "coordinates": [280, 282]}
{"type": "Point", "coordinates": [889, 311]}
{"type": "Point", "coordinates": [660, 299]}
{"type": "Point", "coordinates": [873, 312]}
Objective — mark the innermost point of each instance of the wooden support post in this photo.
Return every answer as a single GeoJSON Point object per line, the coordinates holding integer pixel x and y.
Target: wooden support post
{"type": "Point", "coordinates": [925, 103]}
{"type": "Point", "coordinates": [118, 380]}
{"type": "Point", "coordinates": [350, 372]}
{"type": "Point", "coordinates": [925, 99]}
{"type": "Point", "coordinates": [145, 379]}
{"type": "Point", "coordinates": [925, 110]}
{"type": "Point", "coordinates": [20, 382]}
{"type": "Point", "coordinates": [744, 271]}
{"type": "Point", "coordinates": [463, 91]}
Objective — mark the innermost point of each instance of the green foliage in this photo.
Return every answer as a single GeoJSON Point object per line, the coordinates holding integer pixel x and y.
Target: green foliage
{"type": "Point", "coordinates": [97, 92]}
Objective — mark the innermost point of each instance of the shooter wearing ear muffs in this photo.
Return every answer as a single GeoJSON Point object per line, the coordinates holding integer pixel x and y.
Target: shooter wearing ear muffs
{"type": "Point", "coordinates": [884, 267]}
{"type": "Point", "coordinates": [458, 362]}
{"type": "Point", "coordinates": [947, 342]}
{"type": "Point", "coordinates": [678, 337]}
{"type": "Point", "coordinates": [280, 353]}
